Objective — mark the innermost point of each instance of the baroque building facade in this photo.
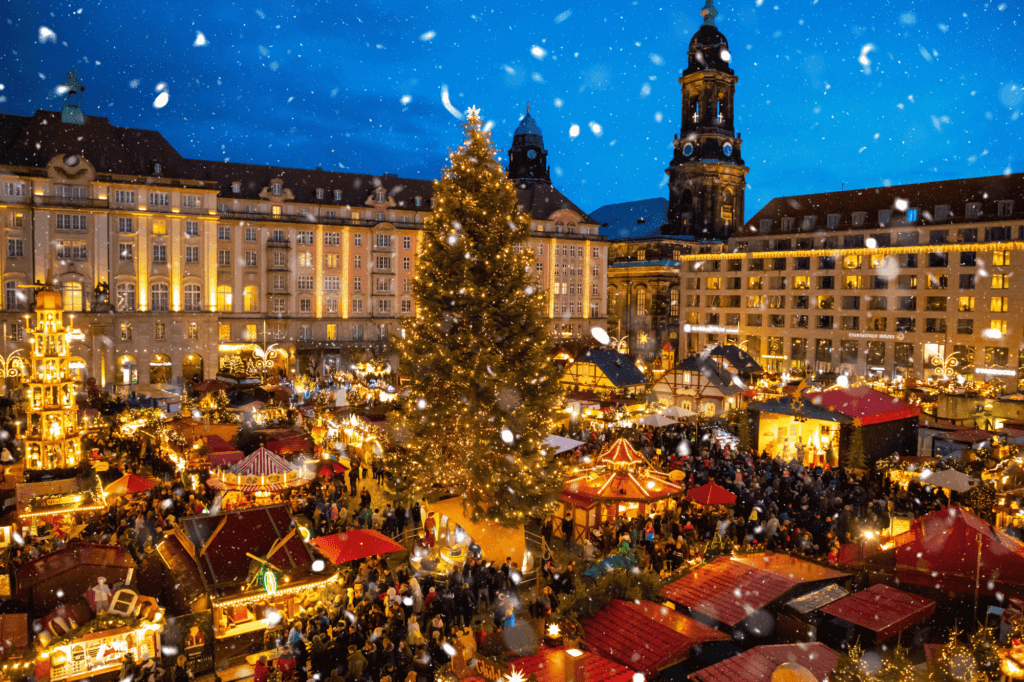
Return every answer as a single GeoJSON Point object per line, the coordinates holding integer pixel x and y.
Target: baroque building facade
{"type": "Point", "coordinates": [173, 266]}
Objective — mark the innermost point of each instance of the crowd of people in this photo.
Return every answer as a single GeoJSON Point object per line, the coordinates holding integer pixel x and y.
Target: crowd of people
{"type": "Point", "coordinates": [780, 505]}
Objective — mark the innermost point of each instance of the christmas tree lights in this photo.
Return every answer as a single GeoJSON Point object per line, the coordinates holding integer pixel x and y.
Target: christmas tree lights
{"type": "Point", "coordinates": [482, 389]}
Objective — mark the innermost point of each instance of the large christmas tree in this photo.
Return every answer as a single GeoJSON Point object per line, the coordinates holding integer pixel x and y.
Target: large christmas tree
{"type": "Point", "coordinates": [481, 390]}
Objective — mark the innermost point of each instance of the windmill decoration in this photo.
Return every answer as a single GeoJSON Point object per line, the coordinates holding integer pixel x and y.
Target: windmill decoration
{"type": "Point", "coordinates": [265, 575]}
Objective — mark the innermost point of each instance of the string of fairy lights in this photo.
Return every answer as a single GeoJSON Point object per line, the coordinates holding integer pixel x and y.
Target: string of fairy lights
{"type": "Point", "coordinates": [479, 400]}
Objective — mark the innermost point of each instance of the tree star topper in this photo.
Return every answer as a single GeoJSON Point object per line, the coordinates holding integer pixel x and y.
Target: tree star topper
{"type": "Point", "coordinates": [473, 111]}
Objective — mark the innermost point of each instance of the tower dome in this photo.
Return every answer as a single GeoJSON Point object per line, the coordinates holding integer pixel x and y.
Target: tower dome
{"type": "Point", "coordinates": [709, 49]}
{"type": "Point", "coordinates": [527, 158]}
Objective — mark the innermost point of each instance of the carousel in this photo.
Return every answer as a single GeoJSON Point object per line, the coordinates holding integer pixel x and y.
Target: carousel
{"type": "Point", "coordinates": [261, 474]}
{"type": "Point", "coordinates": [620, 482]}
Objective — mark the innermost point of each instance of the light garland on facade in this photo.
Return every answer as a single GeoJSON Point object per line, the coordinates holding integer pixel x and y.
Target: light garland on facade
{"type": "Point", "coordinates": [883, 251]}
{"type": "Point", "coordinates": [263, 595]}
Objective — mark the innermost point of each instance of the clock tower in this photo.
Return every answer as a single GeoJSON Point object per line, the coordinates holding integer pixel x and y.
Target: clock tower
{"type": "Point", "coordinates": [527, 158]}
{"type": "Point", "coordinates": [706, 175]}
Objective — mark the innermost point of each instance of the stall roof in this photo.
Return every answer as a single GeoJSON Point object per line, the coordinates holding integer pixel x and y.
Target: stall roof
{"type": "Point", "coordinates": [188, 581]}
{"type": "Point", "coordinates": [864, 403]}
{"type": "Point", "coordinates": [968, 435]}
{"type": "Point", "coordinates": [742, 361]}
{"type": "Point", "coordinates": [800, 407]}
{"type": "Point", "coordinates": [620, 369]}
{"type": "Point", "coordinates": [815, 600]}
{"type": "Point", "coordinates": [731, 588]}
{"type": "Point", "coordinates": [648, 636]}
{"type": "Point", "coordinates": [74, 557]}
{"type": "Point", "coordinates": [758, 664]}
{"type": "Point", "coordinates": [790, 567]}
{"type": "Point", "coordinates": [548, 665]}
{"type": "Point", "coordinates": [884, 610]}
{"type": "Point", "coordinates": [941, 549]}
{"type": "Point", "coordinates": [222, 541]}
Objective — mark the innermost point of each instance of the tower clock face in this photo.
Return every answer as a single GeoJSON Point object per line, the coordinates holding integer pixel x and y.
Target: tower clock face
{"type": "Point", "coordinates": [688, 149]}
{"type": "Point", "coordinates": [727, 149]}
{"type": "Point", "coordinates": [531, 154]}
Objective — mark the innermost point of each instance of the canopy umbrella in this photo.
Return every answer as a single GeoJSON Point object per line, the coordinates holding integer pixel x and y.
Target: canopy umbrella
{"type": "Point", "coordinates": [128, 484]}
{"type": "Point", "coordinates": [561, 443]}
{"type": "Point", "coordinates": [340, 548]}
{"type": "Point", "coordinates": [949, 478]}
{"type": "Point", "coordinates": [655, 420]}
{"type": "Point", "coordinates": [680, 412]}
{"type": "Point", "coordinates": [711, 493]}
{"type": "Point", "coordinates": [331, 469]}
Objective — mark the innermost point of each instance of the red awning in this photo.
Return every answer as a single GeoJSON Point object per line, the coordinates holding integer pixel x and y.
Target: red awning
{"type": "Point", "coordinates": [711, 493]}
{"type": "Point", "coordinates": [883, 610]}
{"type": "Point", "coordinates": [865, 404]}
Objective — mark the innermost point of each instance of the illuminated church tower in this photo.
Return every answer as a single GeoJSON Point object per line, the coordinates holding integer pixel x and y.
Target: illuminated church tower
{"type": "Point", "coordinates": [52, 439]}
{"type": "Point", "coordinates": [706, 176]}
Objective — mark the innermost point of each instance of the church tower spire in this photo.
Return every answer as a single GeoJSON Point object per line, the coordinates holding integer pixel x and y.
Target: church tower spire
{"type": "Point", "coordinates": [527, 158]}
{"type": "Point", "coordinates": [706, 175]}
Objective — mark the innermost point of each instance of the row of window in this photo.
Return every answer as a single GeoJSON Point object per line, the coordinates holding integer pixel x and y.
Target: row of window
{"type": "Point", "coordinates": [873, 353]}
{"type": "Point", "coordinates": [851, 262]}
{"type": "Point", "coordinates": [942, 213]}
{"type": "Point", "coordinates": [997, 304]}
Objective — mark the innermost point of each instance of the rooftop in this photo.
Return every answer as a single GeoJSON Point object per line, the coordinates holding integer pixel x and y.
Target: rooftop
{"type": "Point", "coordinates": [921, 198]}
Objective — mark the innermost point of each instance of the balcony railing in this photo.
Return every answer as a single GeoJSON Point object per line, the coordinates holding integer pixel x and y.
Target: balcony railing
{"type": "Point", "coordinates": [77, 202]}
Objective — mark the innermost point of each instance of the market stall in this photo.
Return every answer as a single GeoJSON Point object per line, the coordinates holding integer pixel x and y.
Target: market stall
{"type": "Point", "coordinates": [729, 590]}
{"type": "Point", "coordinates": [242, 566]}
{"type": "Point", "coordinates": [818, 429]}
{"type": "Point", "coordinates": [646, 636]}
{"type": "Point", "coordinates": [131, 626]}
{"type": "Point", "coordinates": [878, 613]}
{"type": "Point", "coordinates": [66, 511]}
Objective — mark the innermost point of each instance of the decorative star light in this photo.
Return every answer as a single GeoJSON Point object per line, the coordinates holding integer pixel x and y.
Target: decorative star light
{"type": "Point", "coordinates": [516, 676]}
{"type": "Point", "coordinates": [473, 111]}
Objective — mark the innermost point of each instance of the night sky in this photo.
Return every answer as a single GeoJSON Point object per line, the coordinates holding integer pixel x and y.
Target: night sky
{"type": "Point", "coordinates": [830, 91]}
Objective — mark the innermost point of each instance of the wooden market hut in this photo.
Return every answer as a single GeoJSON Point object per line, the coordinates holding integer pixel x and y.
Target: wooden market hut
{"type": "Point", "coordinates": [621, 482]}
{"type": "Point", "coordinates": [732, 592]}
{"type": "Point", "coordinates": [709, 383]}
{"type": "Point", "coordinates": [821, 425]}
{"type": "Point", "coordinates": [210, 557]}
{"type": "Point", "coordinates": [603, 370]}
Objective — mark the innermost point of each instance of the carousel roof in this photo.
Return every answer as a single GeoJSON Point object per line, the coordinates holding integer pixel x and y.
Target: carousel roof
{"type": "Point", "coordinates": [262, 462]}
{"type": "Point", "coordinates": [642, 486]}
{"type": "Point", "coordinates": [621, 452]}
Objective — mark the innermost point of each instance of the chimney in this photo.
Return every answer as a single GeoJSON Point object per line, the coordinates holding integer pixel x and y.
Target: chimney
{"type": "Point", "coordinates": [574, 665]}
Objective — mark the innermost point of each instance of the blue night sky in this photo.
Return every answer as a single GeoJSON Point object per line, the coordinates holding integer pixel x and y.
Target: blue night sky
{"type": "Point", "coordinates": [830, 91]}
